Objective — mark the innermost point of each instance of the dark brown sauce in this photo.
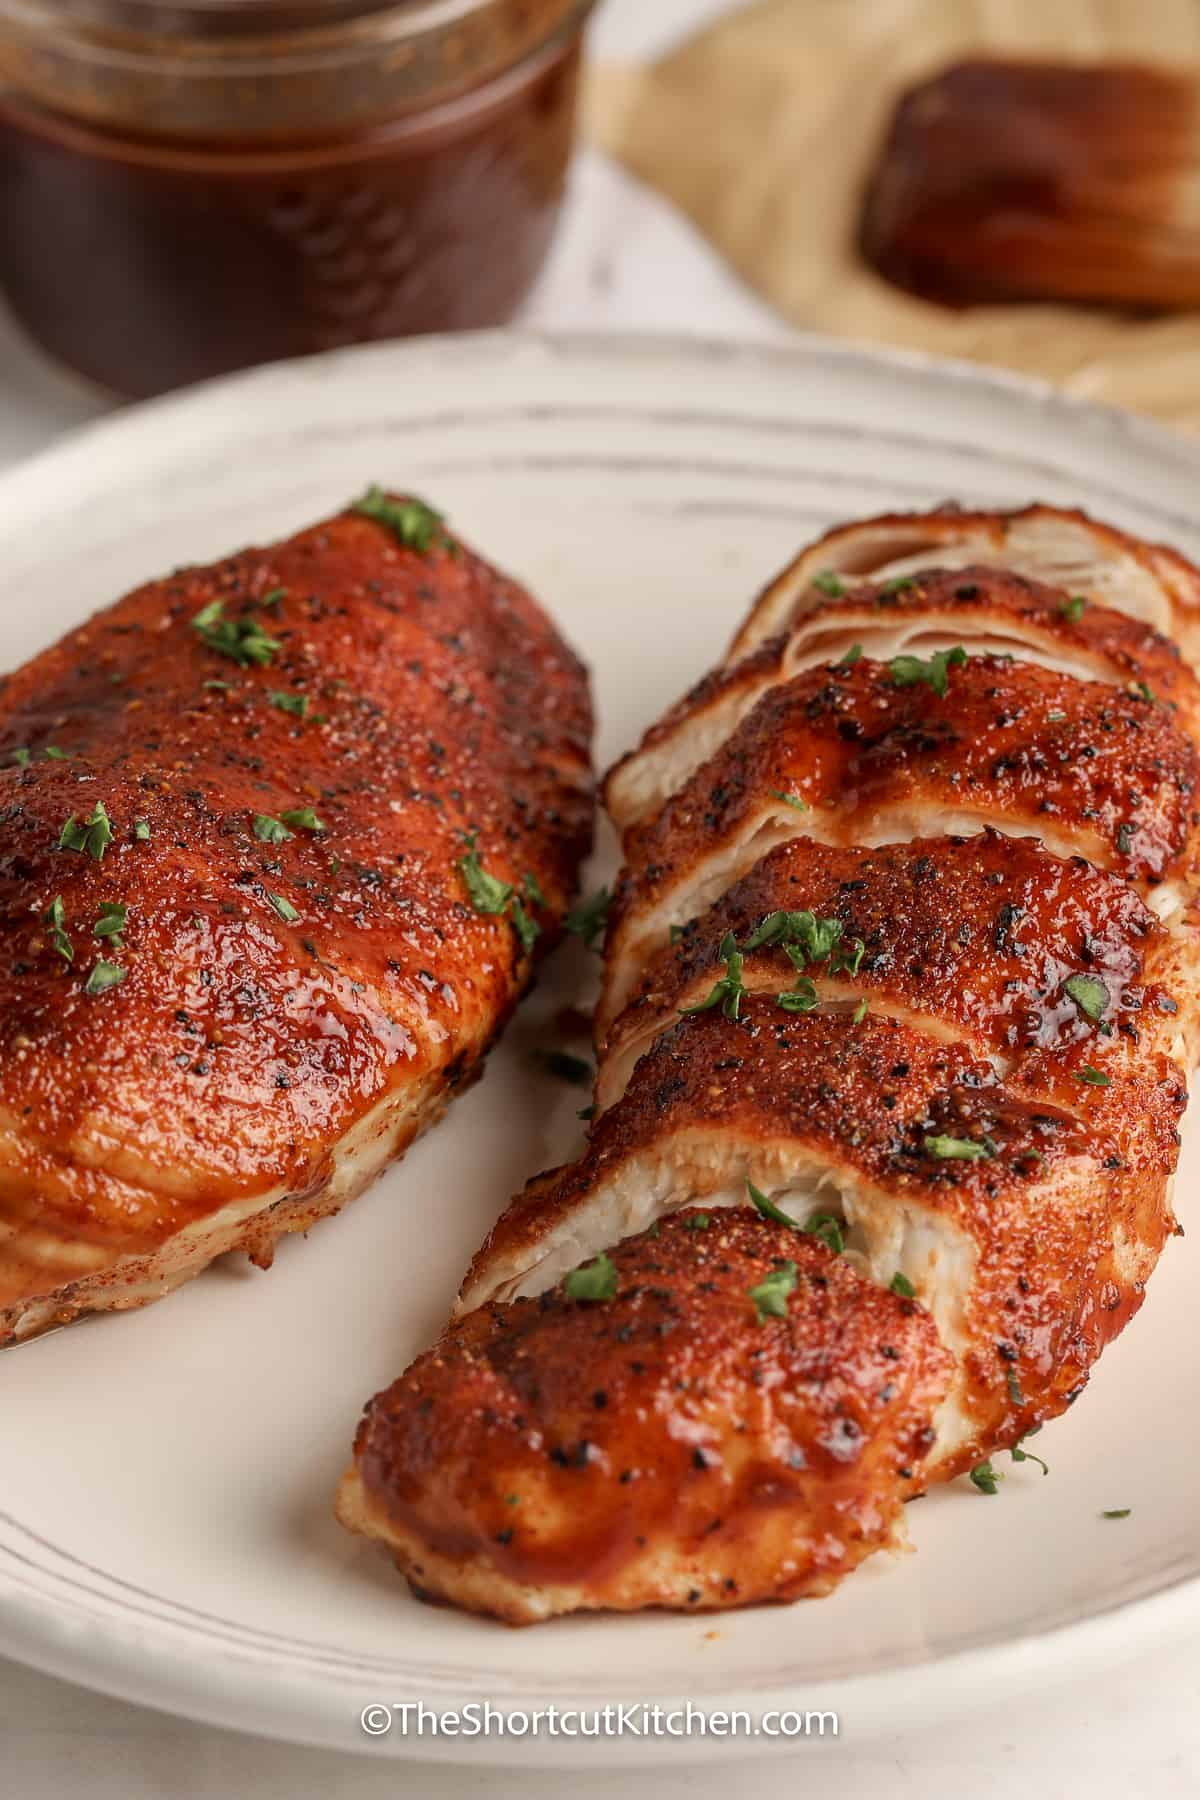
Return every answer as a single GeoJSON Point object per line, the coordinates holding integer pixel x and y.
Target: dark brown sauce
{"type": "Point", "coordinates": [146, 264]}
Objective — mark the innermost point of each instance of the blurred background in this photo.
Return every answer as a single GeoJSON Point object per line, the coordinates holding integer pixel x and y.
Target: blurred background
{"type": "Point", "coordinates": [191, 188]}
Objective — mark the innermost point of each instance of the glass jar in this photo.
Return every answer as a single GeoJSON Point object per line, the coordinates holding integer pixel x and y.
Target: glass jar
{"type": "Point", "coordinates": [187, 189]}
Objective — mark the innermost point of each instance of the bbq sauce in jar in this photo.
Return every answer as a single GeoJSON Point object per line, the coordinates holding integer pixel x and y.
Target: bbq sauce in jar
{"type": "Point", "coordinates": [190, 189]}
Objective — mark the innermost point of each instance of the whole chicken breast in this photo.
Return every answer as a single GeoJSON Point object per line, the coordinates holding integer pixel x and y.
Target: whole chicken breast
{"type": "Point", "coordinates": [903, 961]}
{"type": "Point", "coordinates": [283, 837]}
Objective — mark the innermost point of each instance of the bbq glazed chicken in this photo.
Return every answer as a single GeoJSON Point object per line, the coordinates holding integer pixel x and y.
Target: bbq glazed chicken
{"type": "Point", "coordinates": [284, 838]}
{"type": "Point", "coordinates": [901, 993]}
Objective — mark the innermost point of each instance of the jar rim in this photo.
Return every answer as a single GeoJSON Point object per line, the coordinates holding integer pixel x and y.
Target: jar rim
{"type": "Point", "coordinates": [93, 58]}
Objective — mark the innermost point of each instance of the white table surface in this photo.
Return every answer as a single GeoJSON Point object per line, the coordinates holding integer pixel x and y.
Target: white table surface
{"type": "Point", "coordinates": [624, 261]}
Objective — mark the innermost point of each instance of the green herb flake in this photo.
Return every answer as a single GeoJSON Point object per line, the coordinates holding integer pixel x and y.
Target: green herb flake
{"type": "Point", "coordinates": [55, 918]}
{"type": "Point", "coordinates": [52, 753]}
{"type": "Point", "coordinates": [852, 655]}
{"type": "Point", "coordinates": [1141, 690]}
{"type": "Point", "coordinates": [526, 927]}
{"type": "Point", "coordinates": [907, 671]}
{"type": "Point", "coordinates": [410, 521]}
{"type": "Point", "coordinates": [1093, 1077]}
{"type": "Point", "coordinates": [986, 1479]}
{"type": "Point", "coordinates": [564, 1067]}
{"type": "Point", "coordinates": [770, 1296]}
{"type": "Point", "coordinates": [1124, 839]}
{"type": "Point", "coordinates": [1012, 1382]}
{"type": "Point", "coordinates": [1073, 609]}
{"type": "Point", "coordinates": [296, 704]}
{"type": "Point", "coordinates": [91, 837]}
{"type": "Point", "coordinates": [768, 1208]}
{"type": "Point", "coordinates": [22, 756]}
{"type": "Point", "coordinates": [276, 596]}
{"type": "Point", "coordinates": [302, 818]}
{"type": "Point", "coordinates": [697, 1221]}
{"type": "Point", "coordinates": [592, 1281]}
{"type": "Point", "coordinates": [1019, 1454]}
{"type": "Point", "coordinates": [141, 830]}
{"type": "Point", "coordinates": [900, 1284]}
{"type": "Point", "coordinates": [1055, 718]}
{"type": "Point", "coordinates": [860, 1012]}
{"type": "Point", "coordinates": [950, 1149]}
{"type": "Point", "coordinates": [589, 919]}
{"type": "Point", "coordinates": [827, 1229]}
{"type": "Point", "coordinates": [829, 584]}
{"type": "Point", "coordinates": [1117, 1512]}
{"type": "Point", "coordinates": [792, 800]}
{"type": "Point", "coordinates": [487, 893]}
{"type": "Point", "coordinates": [104, 975]}
{"type": "Point", "coordinates": [218, 687]}
{"type": "Point", "coordinates": [243, 640]}
{"type": "Point", "coordinates": [1089, 994]}
{"type": "Point", "coordinates": [802, 997]}
{"type": "Point", "coordinates": [899, 584]}
{"type": "Point", "coordinates": [815, 938]}
{"type": "Point", "coordinates": [729, 992]}
{"type": "Point", "coordinates": [284, 908]}
{"type": "Point", "coordinates": [111, 922]}
{"type": "Point", "coordinates": [270, 831]}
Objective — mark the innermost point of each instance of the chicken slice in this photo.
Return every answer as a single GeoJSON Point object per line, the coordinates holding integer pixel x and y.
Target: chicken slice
{"type": "Point", "coordinates": [968, 939]}
{"type": "Point", "coordinates": [241, 962]}
{"type": "Point", "coordinates": [846, 755]}
{"type": "Point", "coordinates": [1060, 546]}
{"type": "Point", "coordinates": [675, 1443]}
{"type": "Point", "coordinates": [1026, 1230]}
{"type": "Point", "coordinates": [987, 611]}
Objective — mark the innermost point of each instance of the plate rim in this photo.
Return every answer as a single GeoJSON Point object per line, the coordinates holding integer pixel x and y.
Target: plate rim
{"type": "Point", "coordinates": [151, 1667]}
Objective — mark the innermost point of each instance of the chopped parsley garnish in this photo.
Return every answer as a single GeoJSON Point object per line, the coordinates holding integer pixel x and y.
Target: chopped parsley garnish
{"type": "Point", "coordinates": [900, 1284]}
{"type": "Point", "coordinates": [410, 521]}
{"type": "Point", "coordinates": [827, 1228]}
{"type": "Point", "coordinates": [275, 596]}
{"type": "Point", "coordinates": [565, 1066]}
{"type": "Point", "coordinates": [792, 800]}
{"type": "Point", "coordinates": [52, 753]}
{"type": "Point", "coordinates": [899, 584]}
{"type": "Point", "coordinates": [1073, 609]}
{"type": "Point", "coordinates": [1019, 1454]}
{"type": "Point", "coordinates": [1055, 718]}
{"type": "Point", "coordinates": [302, 818]}
{"type": "Point", "coordinates": [141, 830]}
{"type": "Point", "coordinates": [22, 756]}
{"type": "Point", "coordinates": [847, 956]}
{"type": "Point", "coordinates": [243, 640]}
{"type": "Point", "coordinates": [589, 918]}
{"type": "Point", "coordinates": [270, 831]}
{"type": "Point", "coordinates": [1089, 994]}
{"type": "Point", "coordinates": [829, 584]}
{"type": "Point", "coordinates": [802, 996]}
{"type": "Point", "coordinates": [91, 837]}
{"type": "Point", "coordinates": [949, 1149]}
{"type": "Point", "coordinates": [814, 937]}
{"type": "Point", "coordinates": [1093, 1077]}
{"type": "Point", "coordinates": [55, 917]}
{"type": "Point", "coordinates": [490, 895]}
{"type": "Point", "coordinates": [852, 656]}
{"type": "Point", "coordinates": [1012, 1382]}
{"type": "Point", "coordinates": [104, 975]}
{"type": "Point", "coordinates": [531, 887]}
{"type": "Point", "coordinates": [860, 1011]}
{"type": "Point", "coordinates": [906, 671]}
{"type": "Point", "coordinates": [986, 1479]}
{"type": "Point", "coordinates": [1117, 1512]}
{"type": "Point", "coordinates": [770, 1296]}
{"type": "Point", "coordinates": [296, 704]}
{"type": "Point", "coordinates": [697, 1222]}
{"type": "Point", "coordinates": [729, 991]}
{"type": "Point", "coordinates": [1142, 691]}
{"type": "Point", "coordinates": [525, 925]}
{"type": "Point", "coordinates": [284, 908]}
{"type": "Point", "coordinates": [768, 1208]}
{"type": "Point", "coordinates": [218, 687]}
{"type": "Point", "coordinates": [111, 922]}
{"type": "Point", "coordinates": [592, 1281]}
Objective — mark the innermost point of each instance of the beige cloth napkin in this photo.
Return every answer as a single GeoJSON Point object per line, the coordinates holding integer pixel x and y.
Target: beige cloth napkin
{"type": "Point", "coordinates": [764, 127]}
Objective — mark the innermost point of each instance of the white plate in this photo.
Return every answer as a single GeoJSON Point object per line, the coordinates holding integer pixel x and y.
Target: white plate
{"type": "Point", "coordinates": [165, 1528]}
